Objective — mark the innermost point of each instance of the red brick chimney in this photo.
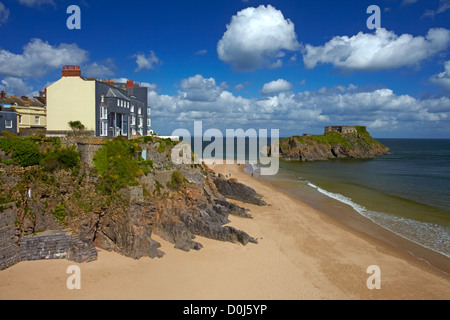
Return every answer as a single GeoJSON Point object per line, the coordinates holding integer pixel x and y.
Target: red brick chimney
{"type": "Point", "coordinates": [130, 84]}
{"type": "Point", "coordinates": [71, 71]}
{"type": "Point", "coordinates": [3, 95]}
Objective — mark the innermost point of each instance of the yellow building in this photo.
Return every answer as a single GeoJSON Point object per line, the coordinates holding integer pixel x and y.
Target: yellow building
{"type": "Point", "coordinates": [71, 98]}
{"type": "Point", "coordinates": [104, 108]}
{"type": "Point", "coordinates": [31, 113]}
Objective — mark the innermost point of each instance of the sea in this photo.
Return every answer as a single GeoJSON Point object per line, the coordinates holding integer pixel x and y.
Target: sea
{"type": "Point", "coordinates": [406, 192]}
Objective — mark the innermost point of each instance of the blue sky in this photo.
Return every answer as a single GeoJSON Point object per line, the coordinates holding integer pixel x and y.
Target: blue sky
{"type": "Point", "coordinates": [291, 65]}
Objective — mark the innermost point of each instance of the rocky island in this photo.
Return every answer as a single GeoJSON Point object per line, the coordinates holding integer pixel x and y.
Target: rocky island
{"type": "Point", "coordinates": [61, 198]}
{"type": "Point", "coordinates": [337, 143]}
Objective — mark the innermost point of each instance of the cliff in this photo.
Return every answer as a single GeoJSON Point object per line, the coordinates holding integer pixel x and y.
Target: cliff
{"type": "Point", "coordinates": [332, 145]}
{"type": "Point", "coordinates": [107, 195]}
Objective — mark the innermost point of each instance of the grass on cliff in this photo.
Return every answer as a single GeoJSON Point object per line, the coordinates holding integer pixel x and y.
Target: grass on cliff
{"type": "Point", "coordinates": [33, 151]}
{"type": "Point", "coordinates": [117, 164]}
{"type": "Point", "coordinates": [335, 138]}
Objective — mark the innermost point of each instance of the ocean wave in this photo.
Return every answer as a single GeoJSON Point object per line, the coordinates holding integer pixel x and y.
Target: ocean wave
{"type": "Point", "coordinates": [428, 235]}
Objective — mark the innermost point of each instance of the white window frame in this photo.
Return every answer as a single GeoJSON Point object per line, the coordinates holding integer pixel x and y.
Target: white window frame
{"type": "Point", "coordinates": [37, 120]}
{"type": "Point", "coordinates": [104, 128]}
{"type": "Point", "coordinates": [133, 120]}
{"type": "Point", "coordinates": [103, 113]}
{"type": "Point", "coordinates": [20, 119]}
{"type": "Point", "coordinates": [10, 126]}
{"type": "Point", "coordinates": [132, 108]}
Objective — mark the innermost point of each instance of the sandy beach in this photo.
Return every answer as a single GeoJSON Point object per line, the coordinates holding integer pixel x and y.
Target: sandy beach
{"type": "Point", "coordinates": [302, 254]}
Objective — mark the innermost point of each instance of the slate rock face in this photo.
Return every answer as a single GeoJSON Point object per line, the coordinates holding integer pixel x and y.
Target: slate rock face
{"type": "Point", "coordinates": [232, 189]}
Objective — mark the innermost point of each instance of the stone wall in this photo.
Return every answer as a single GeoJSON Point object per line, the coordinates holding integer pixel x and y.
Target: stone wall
{"type": "Point", "coordinates": [51, 245]}
{"type": "Point", "coordinates": [43, 246]}
{"type": "Point", "coordinates": [9, 251]}
{"type": "Point", "coordinates": [87, 151]}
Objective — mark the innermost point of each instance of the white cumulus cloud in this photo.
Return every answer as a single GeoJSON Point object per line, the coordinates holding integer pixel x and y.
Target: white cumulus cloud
{"type": "Point", "coordinates": [15, 87]}
{"type": "Point", "coordinates": [275, 87]}
{"type": "Point", "coordinates": [380, 109]}
{"type": "Point", "coordinates": [378, 51]}
{"type": "Point", "coordinates": [443, 79]}
{"type": "Point", "coordinates": [198, 88]}
{"type": "Point", "coordinates": [257, 38]}
{"type": "Point", "coordinates": [39, 58]}
{"type": "Point", "coordinates": [146, 62]}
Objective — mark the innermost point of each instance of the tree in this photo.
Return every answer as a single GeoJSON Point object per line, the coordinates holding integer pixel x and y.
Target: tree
{"type": "Point", "coordinates": [77, 126]}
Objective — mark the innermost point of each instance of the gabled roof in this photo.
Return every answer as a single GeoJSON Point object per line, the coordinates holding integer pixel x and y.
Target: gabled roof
{"type": "Point", "coordinates": [22, 102]}
{"type": "Point", "coordinates": [115, 93]}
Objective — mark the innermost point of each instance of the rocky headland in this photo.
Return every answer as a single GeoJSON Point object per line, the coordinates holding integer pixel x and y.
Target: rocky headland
{"type": "Point", "coordinates": [332, 145]}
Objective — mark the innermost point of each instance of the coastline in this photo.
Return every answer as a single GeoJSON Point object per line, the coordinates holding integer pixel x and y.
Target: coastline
{"type": "Point", "coordinates": [302, 254]}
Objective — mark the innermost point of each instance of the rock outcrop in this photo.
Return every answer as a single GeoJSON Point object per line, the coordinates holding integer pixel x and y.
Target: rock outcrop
{"type": "Point", "coordinates": [232, 189]}
{"type": "Point", "coordinates": [332, 145]}
{"type": "Point", "coordinates": [175, 202]}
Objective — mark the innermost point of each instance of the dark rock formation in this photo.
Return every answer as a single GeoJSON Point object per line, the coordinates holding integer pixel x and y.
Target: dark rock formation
{"type": "Point", "coordinates": [232, 189]}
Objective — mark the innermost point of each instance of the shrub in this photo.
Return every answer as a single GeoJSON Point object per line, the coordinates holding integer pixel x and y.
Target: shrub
{"type": "Point", "coordinates": [67, 158]}
{"type": "Point", "coordinates": [116, 165]}
{"type": "Point", "coordinates": [60, 213]}
{"type": "Point", "coordinates": [26, 153]}
{"type": "Point", "coordinates": [76, 125]}
{"type": "Point", "coordinates": [177, 180]}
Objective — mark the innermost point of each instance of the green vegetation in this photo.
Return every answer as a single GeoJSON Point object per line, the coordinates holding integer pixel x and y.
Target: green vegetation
{"type": "Point", "coordinates": [26, 152]}
{"type": "Point", "coordinates": [117, 165]}
{"type": "Point", "coordinates": [61, 158]}
{"type": "Point", "coordinates": [177, 180]}
{"type": "Point", "coordinates": [77, 126]}
{"type": "Point", "coordinates": [60, 213]}
{"type": "Point", "coordinates": [361, 138]}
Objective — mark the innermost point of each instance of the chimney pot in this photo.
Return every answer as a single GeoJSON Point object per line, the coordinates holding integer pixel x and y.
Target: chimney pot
{"type": "Point", "coordinates": [71, 71]}
{"type": "Point", "coordinates": [3, 95]}
{"type": "Point", "coordinates": [130, 84]}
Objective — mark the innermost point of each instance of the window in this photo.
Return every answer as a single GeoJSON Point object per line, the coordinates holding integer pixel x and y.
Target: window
{"type": "Point", "coordinates": [139, 111]}
{"type": "Point", "coordinates": [128, 104]}
{"type": "Point", "coordinates": [149, 122]}
{"type": "Point", "coordinates": [37, 120]}
{"type": "Point", "coordinates": [132, 108]}
{"type": "Point", "coordinates": [149, 111]}
{"type": "Point", "coordinates": [20, 119]}
{"type": "Point", "coordinates": [8, 124]}
{"type": "Point", "coordinates": [103, 113]}
{"type": "Point", "coordinates": [141, 122]}
{"type": "Point", "coordinates": [103, 98]}
{"type": "Point", "coordinates": [118, 102]}
{"type": "Point", "coordinates": [133, 120]}
{"type": "Point", "coordinates": [104, 128]}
